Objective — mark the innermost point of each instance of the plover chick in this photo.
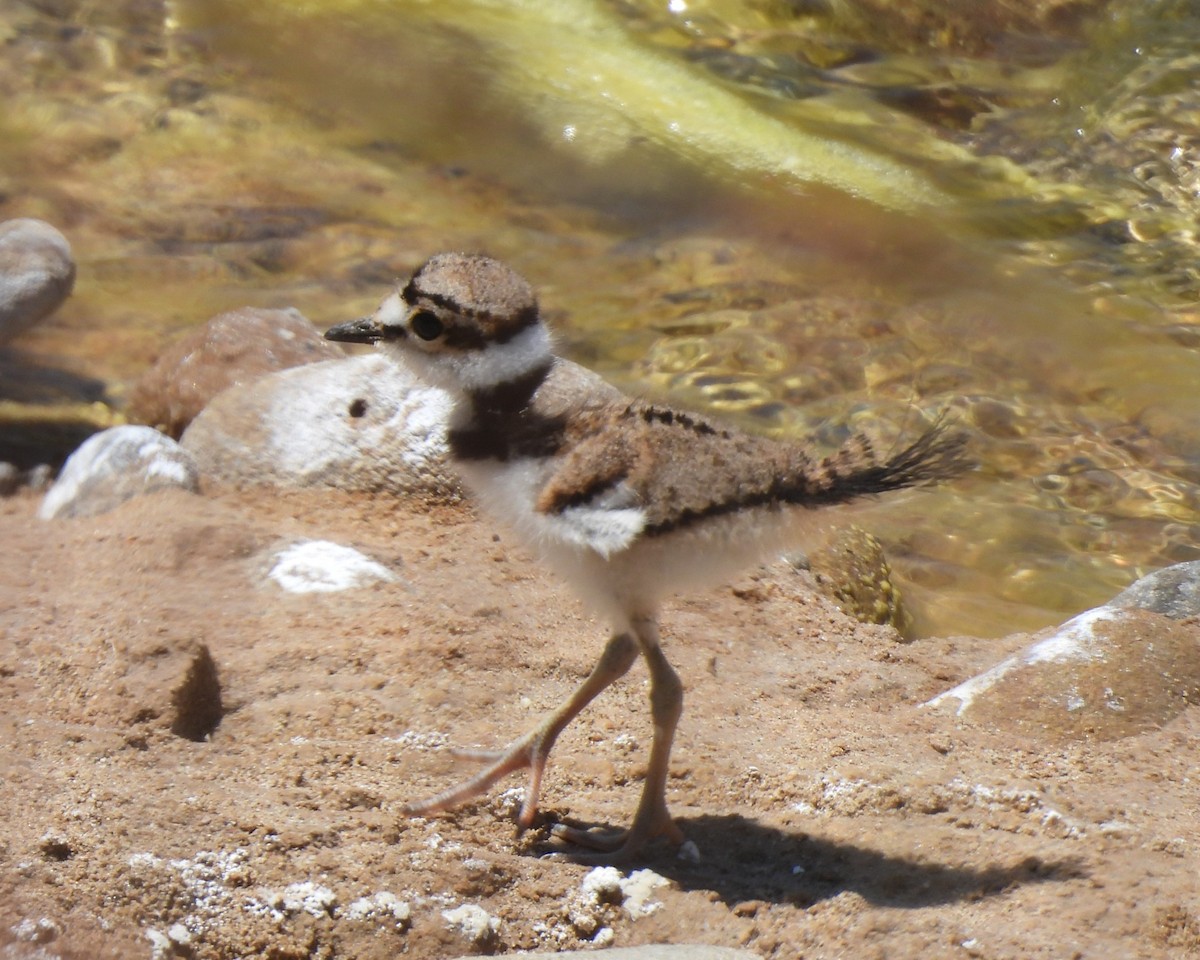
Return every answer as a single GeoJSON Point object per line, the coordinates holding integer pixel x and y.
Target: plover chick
{"type": "Point", "coordinates": [630, 501]}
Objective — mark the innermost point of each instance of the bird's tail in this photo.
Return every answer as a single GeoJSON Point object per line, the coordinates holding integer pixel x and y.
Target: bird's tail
{"type": "Point", "coordinates": [855, 471]}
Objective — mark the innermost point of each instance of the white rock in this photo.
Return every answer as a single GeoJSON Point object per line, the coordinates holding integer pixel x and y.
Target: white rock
{"type": "Point", "coordinates": [362, 423]}
{"type": "Point", "coordinates": [607, 885]}
{"type": "Point", "coordinates": [638, 889]}
{"type": "Point", "coordinates": [320, 566]}
{"type": "Point", "coordinates": [160, 944]}
{"type": "Point", "coordinates": [42, 930]}
{"type": "Point", "coordinates": [381, 907]}
{"type": "Point", "coordinates": [116, 465]}
{"type": "Point", "coordinates": [585, 910]}
{"type": "Point", "coordinates": [603, 885]}
{"type": "Point", "coordinates": [473, 923]}
{"type": "Point", "coordinates": [604, 937]}
{"type": "Point", "coordinates": [303, 897]}
{"type": "Point", "coordinates": [180, 934]}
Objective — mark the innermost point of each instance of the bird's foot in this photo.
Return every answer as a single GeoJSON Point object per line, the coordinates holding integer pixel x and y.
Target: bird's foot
{"type": "Point", "coordinates": [610, 847]}
{"type": "Point", "coordinates": [529, 752]}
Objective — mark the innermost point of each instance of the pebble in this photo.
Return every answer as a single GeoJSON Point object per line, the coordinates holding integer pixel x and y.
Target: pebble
{"type": "Point", "coordinates": [360, 423]}
{"type": "Point", "coordinates": [304, 897]}
{"type": "Point", "coordinates": [473, 923]}
{"type": "Point", "coordinates": [37, 273]}
{"type": "Point", "coordinates": [116, 465]}
{"type": "Point", "coordinates": [381, 907]}
{"type": "Point", "coordinates": [639, 888]}
{"type": "Point", "coordinates": [238, 346]}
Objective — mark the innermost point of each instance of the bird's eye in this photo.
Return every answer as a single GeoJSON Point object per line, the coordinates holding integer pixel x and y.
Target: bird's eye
{"type": "Point", "coordinates": [426, 325]}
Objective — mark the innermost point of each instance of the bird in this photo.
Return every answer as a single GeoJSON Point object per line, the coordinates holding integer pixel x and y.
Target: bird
{"type": "Point", "coordinates": [629, 500]}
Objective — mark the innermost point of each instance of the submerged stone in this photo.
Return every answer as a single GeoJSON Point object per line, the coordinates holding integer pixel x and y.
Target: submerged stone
{"type": "Point", "coordinates": [234, 347]}
{"type": "Point", "coordinates": [37, 273]}
{"type": "Point", "coordinates": [854, 572]}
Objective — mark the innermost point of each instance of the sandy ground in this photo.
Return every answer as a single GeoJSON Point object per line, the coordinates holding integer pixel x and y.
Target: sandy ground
{"type": "Point", "coordinates": [832, 815]}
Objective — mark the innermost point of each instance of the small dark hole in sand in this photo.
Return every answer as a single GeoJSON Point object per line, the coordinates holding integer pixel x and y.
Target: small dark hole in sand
{"type": "Point", "coordinates": [197, 700]}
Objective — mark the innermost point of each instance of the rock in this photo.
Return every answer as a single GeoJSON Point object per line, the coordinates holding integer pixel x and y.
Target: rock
{"type": "Point", "coordinates": [638, 889]}
{"type": "Point", "coordinates": [1110, 672]}
{"type": "Point", "coordinates": [319, 566]}
{"type": "Point", "coordinates": [42, 930]}
{"type": "Point", "coordinates": [40, 477]}
{"type": "Point", "coordinates": [360, 423]}
{"type": "Point", "coordinates": [302, 897]}
{"type": "Point", "coordinates": [1173, 591]}
{"type": "Point", "coordinates": [116, 465]}
{"type": "Point", "coordinates": [37, 273]}
{"type": "Point", "coordinates": [474, 924]}
{"type": "Point", "coordinates": [235, 347]}
{"type": "Point", "coordinates": [605, 890]}
{"type": "Point", "coordinates": [383, 907]}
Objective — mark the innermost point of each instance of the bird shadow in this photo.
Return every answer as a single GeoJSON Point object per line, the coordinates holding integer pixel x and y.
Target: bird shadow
{"type": "Point", "coordinates": [742, 860]}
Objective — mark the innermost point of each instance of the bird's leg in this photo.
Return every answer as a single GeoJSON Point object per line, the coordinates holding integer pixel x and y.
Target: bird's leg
{"type": "Point", "coordinates": [532, 750]}
{"type": "Point", "coordinates": [652, 818]}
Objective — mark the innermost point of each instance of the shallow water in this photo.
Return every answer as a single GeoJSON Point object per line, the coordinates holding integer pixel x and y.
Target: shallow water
{"type": "Point", "coordinates": [650, 173]}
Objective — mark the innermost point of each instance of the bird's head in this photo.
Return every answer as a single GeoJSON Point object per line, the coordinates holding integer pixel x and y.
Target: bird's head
{"type": "Point", "coordinates": [463, 322]}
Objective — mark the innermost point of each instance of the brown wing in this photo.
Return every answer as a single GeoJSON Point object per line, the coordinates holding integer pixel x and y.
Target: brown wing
{"type": "Point", "coordinates": [680, 468]}
{"type": "Point", "coordinates": [672, 465]}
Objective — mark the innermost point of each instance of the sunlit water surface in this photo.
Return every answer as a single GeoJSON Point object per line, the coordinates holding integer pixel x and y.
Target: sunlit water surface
{"type": "Point", "coordinates": [308, 159]}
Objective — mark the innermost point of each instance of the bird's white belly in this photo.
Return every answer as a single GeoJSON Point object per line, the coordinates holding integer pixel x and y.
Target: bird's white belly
{"type": "Point", "coordinates": [601, 550]}
{"type": "Point", "coordinates": [509, 491]}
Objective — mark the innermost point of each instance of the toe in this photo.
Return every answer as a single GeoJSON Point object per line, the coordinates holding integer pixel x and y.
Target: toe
{"type": "Point", "coordinates": [593, 838]}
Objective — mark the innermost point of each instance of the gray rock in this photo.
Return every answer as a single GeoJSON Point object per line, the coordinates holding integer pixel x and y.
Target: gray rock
{"type": "Point", "coordinates": [238, 346]}
{"type": "Point", "coordinates": [360, 424]}
{"type": "Point", "coordinates": [37, 273]}
{"type": "Point", "coordinates": [1173, 591]}
{"type": "Point", "coordinates": [1110, 672]}
{"type": "Point", "coordinates": [654, 951]}
{"type": "Point", "coordinates": [116, 465]}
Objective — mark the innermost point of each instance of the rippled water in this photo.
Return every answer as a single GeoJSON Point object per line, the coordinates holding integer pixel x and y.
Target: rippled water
{"type": "Point", "coordinates": [645, 165]}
